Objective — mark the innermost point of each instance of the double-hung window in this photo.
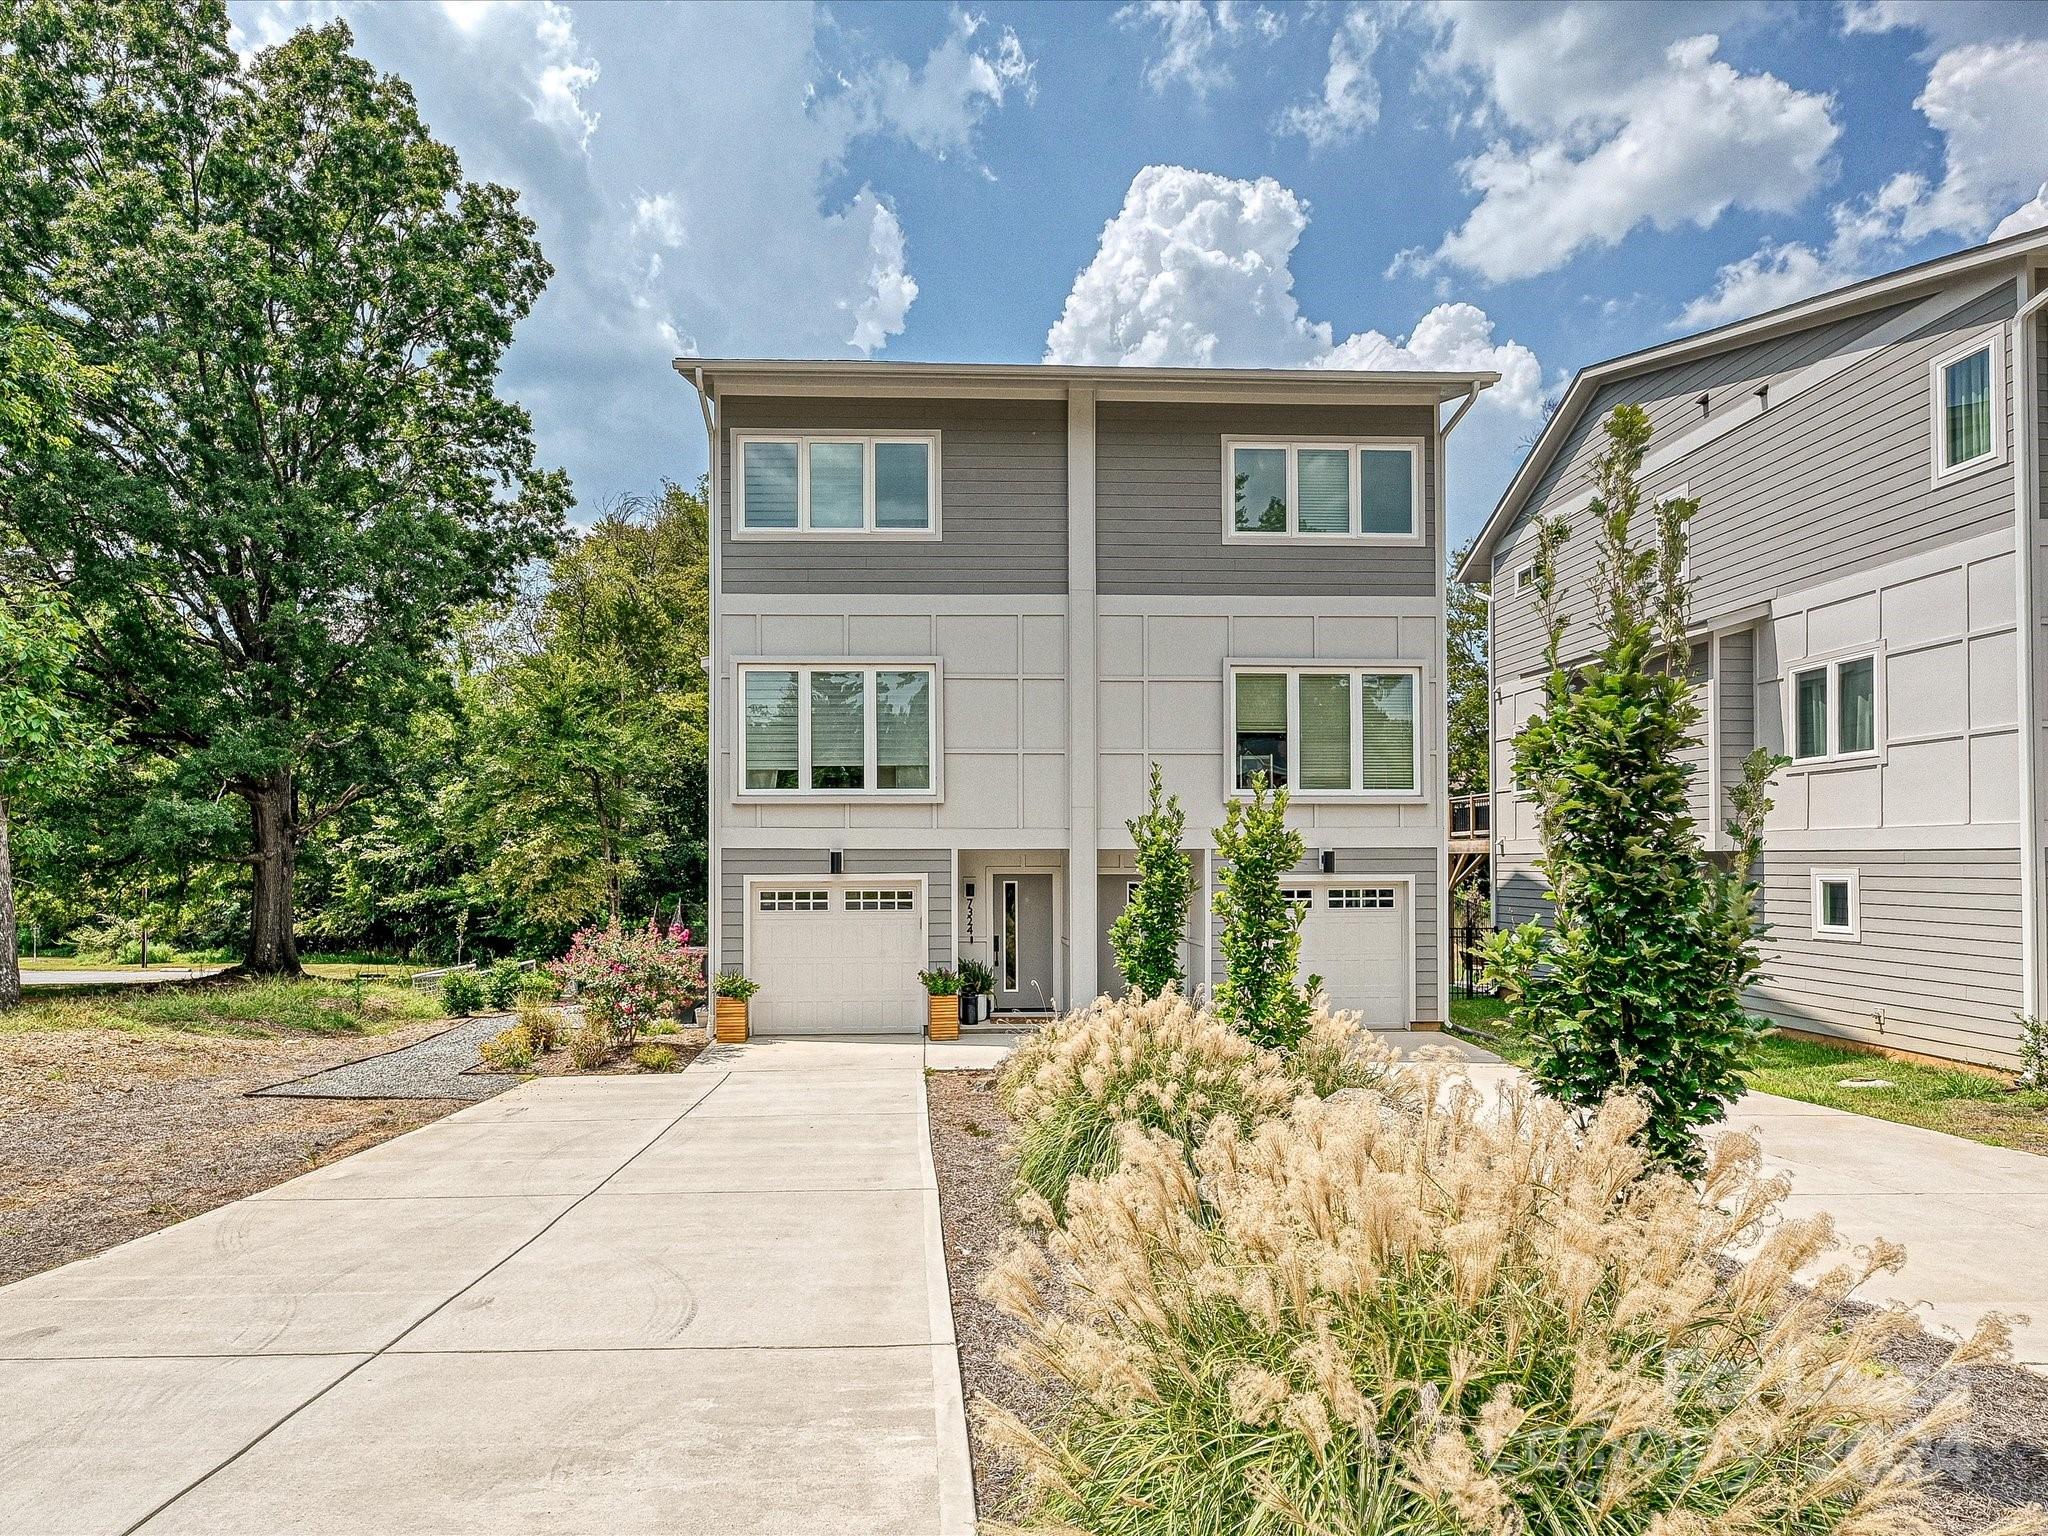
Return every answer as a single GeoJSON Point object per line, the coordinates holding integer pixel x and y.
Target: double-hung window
{"type": "Point", "coordinates": [1321, 490]}
{"type": "Point", "coordinates": [1969, 407]}
{"type": "Point", "coordinates": [838, 729]}
{"type": "Point", "coordinates": [1834, 709]}
{"type": "Point", "coordinates": [836, 486]}
{"type": "Point", "coordinates": [1326, 730]}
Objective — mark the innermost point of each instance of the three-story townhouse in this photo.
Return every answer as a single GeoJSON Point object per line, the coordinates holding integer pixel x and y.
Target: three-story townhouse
{"type": "Point", "coordinates": [957, 610]}
{"type": "Point", "coordinates": [1866, 601]}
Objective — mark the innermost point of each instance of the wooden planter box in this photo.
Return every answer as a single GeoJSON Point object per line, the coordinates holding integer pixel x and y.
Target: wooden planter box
{"type": "Point", "coordinates": [730, 1021]}
{"type": "Point", "coordinates": [943, 1020]}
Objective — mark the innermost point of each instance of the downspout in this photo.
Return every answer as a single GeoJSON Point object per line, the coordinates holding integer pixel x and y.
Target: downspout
{"type": "Point", "coordinates": [2026, 513]}
{"type": "Point", "coordinates": [713, 861]}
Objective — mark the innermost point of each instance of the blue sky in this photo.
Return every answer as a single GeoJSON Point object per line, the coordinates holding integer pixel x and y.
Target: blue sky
{"type": "Point", "coordinates": [1524, 187]}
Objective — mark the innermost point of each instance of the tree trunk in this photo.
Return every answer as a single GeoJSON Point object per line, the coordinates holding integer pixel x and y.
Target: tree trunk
{"type": "Point", "coordinates": [10, 944]}
{"type": "Point", "coordinates": [273, 844]}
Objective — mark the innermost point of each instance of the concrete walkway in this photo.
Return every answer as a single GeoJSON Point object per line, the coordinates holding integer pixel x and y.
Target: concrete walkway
{"type": "Point", "coordinates": [707, 1303]}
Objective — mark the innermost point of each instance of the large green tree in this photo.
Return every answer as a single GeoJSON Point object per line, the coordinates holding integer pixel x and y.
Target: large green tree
{"type": "Point", "coordinates": [299, 468]}
{"type": "Point", "coordinates": [1467, 683]}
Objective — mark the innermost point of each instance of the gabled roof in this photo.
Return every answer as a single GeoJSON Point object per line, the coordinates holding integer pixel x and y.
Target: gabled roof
{"type": "Point", "coordinates": [1872, 293]}
{"type": "Point", "coordinates": [852, 376]}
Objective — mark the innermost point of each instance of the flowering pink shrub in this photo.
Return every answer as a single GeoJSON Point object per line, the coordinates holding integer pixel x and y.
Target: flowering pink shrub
{"type": "Point", "coordinates": [627, 978]}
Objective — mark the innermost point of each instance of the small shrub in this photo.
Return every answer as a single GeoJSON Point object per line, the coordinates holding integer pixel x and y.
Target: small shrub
{"type": "Point", "coordinates": [943, 982]}
{"type": "Point", "coordinates": [976, 979]}
{"type": "Point", "coordinates": [537, 983]}
{"type": "Point", "coordinates": [541, 1023]}
{"type": "Point", "coordinates": [626, 977]}
{"type": "Point", "coordinates": [2033, 1052]}
{"type": "Point", "coordinates": [1460, 1318]}
{"type": "Point", "coordinates": [1147, 935]}
{"type": "Point", "coordinates": [655, 1058]}
{"type": "Point", "coordinates": [462, 992]}
{"type": "Point", "coordinates": [509, 1050]}
{"type": "Point", "coordinates": [1161, 1063]}
{"type": "Point", "coordinates": [501, 985]}
{"type": "Point", "coordinates": [732, 984]}
{"type": "Point", "coordinates": [590, 1046]}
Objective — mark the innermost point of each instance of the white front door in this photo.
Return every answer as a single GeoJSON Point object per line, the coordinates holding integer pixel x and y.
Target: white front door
{"type": "Point", "coordinates": [1355, 937]}
{"type": "Point", "coordinates": [836, 957]}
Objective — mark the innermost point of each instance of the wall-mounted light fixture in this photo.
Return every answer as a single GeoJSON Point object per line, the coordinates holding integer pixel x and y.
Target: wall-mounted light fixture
{"type": "Point", "coordinates": [1329, 861]}
{"type": "Point", "coordinates": [838, 861]}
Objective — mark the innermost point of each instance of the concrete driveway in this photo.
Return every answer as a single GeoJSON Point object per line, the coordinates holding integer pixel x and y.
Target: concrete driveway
{"type": "Point", "coordinates": [713, 1302]}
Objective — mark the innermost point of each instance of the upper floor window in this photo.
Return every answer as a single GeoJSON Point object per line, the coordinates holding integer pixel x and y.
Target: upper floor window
{"type": "Point", "coordinates": [838, 729]}
{"type": "Point", "coordinates": [836, 486]}
{"type": "Point", "coordinates": [1834, 709]}
{"type": "Point", "coordinates": [1318, 730]}
{"type": "Point", "coordinates": [1969, 407]}
{"type": "Point", "coordinates": [1330, 490]}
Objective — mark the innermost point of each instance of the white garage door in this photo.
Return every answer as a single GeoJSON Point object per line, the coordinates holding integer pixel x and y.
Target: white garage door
{"type": "Point", "coordinates": [836, 957]}
{"type": "Point", "coordinates": [1356, 938]}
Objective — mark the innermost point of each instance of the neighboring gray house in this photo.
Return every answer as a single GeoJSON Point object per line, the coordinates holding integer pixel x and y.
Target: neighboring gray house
{"type": "Point", "coordinates": [956, 610]}
{"type": "Point", "coordinates": [1861, 603]}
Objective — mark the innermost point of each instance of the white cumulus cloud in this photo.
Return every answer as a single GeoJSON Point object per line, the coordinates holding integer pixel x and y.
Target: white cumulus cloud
{"type": "Point", "coordinates": [1195, 271]}
{"type": "Point", "coordinates": [1350, 99]}
{"type": "Point", "coordinates": [1649, 126]}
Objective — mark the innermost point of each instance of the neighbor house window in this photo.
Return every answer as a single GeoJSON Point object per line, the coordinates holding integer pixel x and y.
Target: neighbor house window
{"type": "Point", "coordinates": [1969, 408]}
{"type": "Point", "coordinates": [1835, 904]}
{"type": "Point", "coordinates": [837, 486]}
{"type": "Point", "coordinates": [1316, 730]}
{"type": "Point", "coordinates": [1834, 709]}
{"type": "Point", "coordinates": [1525, 578]}
{"type": "Point", "coordinates": [1322, 490]}
{"type": "Point", "coordinates": [838, 729]}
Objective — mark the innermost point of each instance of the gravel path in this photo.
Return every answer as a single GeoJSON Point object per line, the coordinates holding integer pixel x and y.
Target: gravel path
{"type": "Point", "coordinates": [436, 1068]}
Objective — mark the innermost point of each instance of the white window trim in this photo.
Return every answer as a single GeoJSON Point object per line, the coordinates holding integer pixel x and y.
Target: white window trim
{"type": "Point", "coordinates": [803, 528]}
{"type": "Point", "coordinates": [1293, 671]}
{"type": "Point", "coordinates": [1832, 663]}
{"type": "Point", "coordinates": [1854, 932]}
{"type": "Point", "coordinates": [803, 667]}
{"type": "Point", "coordinates": [1413, 447]}
{"type": "Point", "coordinates": [1525, 578]}
{"type": "Point", "coordinates": [1992, 340]}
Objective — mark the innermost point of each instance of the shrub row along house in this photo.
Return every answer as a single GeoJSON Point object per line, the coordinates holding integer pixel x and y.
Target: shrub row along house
{"type": "Point", "coordinates": [1866, 601]}
{"type": "Point", "coordinates": [958, 610]}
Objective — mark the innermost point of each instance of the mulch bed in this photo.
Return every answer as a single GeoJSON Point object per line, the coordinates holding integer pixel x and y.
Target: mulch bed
{"type": "Point", "coordinates": [968, 1131]}
{"type": "Point", "coordinates": [108, 1136]}
{"type": "Point", "coordinates": [1996, 1462]}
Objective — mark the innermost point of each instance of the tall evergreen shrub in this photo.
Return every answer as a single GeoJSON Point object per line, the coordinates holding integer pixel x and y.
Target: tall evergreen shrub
{"type": "Point", "coordinates": [1147, 936]}
{"type": "Point", "coordinates": [1261, 939]}
{"type": "Point", "coordinates": [1637, 984]}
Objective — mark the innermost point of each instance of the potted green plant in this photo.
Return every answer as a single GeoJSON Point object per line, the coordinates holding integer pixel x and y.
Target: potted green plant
{"type": "Point", "coordinates": [977, 992]}
{"type": "Point", "coordinates": [942, 990]}
{"type": "Point", "coordinates": [731, 989]}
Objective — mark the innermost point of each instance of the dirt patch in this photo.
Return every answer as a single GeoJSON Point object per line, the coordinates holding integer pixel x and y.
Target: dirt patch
{"type": "Point", "coordinates": [107, 1135]}
{"type": "Point", "coordinates": [968, 1132]}
{"type": "Point", "coordinates": [688, 1044]}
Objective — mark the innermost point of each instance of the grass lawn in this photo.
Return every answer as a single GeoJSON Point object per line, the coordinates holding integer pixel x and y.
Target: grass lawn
{"type": "Point", "coordinates": [315, 1006]}
{"type": "Point", "coordinates": [1962, 1103]}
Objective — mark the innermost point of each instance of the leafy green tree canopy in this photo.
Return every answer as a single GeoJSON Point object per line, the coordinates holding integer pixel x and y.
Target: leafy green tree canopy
{"type": "Point", "coordinates": [1147, 935]}
{"type": "Point", "coordinates": [1637, 985]}
{"type": "Point", "coordinates": [298, 468]}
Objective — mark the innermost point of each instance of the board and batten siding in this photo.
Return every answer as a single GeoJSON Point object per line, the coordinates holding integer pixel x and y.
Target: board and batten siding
{"type": "Point", "coordinates": [1836, 479]}
{"type": "Point", "coordinates": [739, 864]}
{"type": "Point", "coordinates": [1003, 500]}
{"type": "Point", "coordinates": [1935, 967]}
{"type": "Point", "coordinates": [1418, 866]}
{"type": "Point", "coordinates": [1159, 505]}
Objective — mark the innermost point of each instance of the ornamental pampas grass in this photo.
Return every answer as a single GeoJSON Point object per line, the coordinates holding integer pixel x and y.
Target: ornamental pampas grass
{"type": "Point", "coordinates": [1450, 1315]}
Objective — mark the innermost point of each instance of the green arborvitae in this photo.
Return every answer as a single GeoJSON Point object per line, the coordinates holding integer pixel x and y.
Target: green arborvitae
{"type": "Point", "coordinates": [1147, 936]}
{"type": "Point", "coordinates": [1637, 985]}
{"type": "Point", "coordinates": [1261, 940]}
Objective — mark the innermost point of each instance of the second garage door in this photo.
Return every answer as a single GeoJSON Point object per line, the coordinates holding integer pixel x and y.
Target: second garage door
{"type": "Point", "coordinates": [1355, 936]}
{"type": "Point", "coordinates": [836, 957]}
